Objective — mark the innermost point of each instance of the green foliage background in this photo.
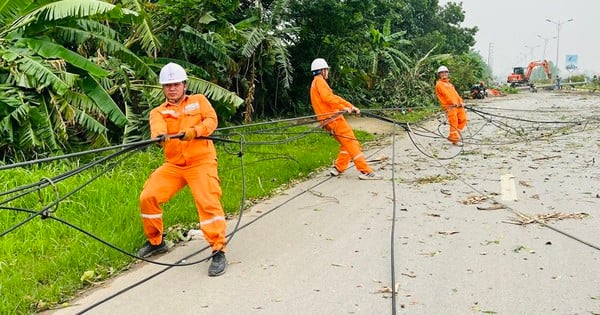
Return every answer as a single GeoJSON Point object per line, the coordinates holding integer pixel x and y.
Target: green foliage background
{"type": "Point", "coordinates": [83, 74]}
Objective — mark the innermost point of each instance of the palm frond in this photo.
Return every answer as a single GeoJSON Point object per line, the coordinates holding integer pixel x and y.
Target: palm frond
{"type": "Point", "coordinates": [50, 50]}
{"type": "Point", "coordinates": [14, 113]}
{"type": "Point", "coordinates": [69, 9]}
{"type": "Point", "coordinates": [44, 127]}
{"type": "Point", "coordinates": [205, 41]}
{"type": "Point", "coordinates": [10, 10]}
{"type": "Point", "coordinates": [26, 138]}
{"type": "Point", "coordinates": [111, 46]}
{"type": "Point", "coordinates": [37, 131]}
{"type": "Point", "coordinates": [88, 122]}
{"type": "Point", "coordinates": [143, 33]}
{"type": "Point", "coordinates": [39, 75]}
{"type": "Point", "coordinates": [80, 31]}
{"type": "Point", "coordinates": [187, 65]}
{"type": "Point", "coordinates": [282, 57]}
{"type": "Point", "coordinates": [254, 38]}
{"type": "Point", "coordinates": [103, 101]}
{"type": "Point", "coordinates": [214, 91]}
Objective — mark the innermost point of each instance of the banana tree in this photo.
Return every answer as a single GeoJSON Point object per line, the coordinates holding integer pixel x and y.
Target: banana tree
{"type": "Point", "coordinates": [264, 56]}
{"type": "Point", "coordinates": [52, 94]}
{"type": "Point", "coordinates": [88, 65]}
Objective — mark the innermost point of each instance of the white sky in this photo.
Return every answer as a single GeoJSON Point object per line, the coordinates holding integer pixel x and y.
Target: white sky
{"type": "Point", "coordinates": [512, 27]}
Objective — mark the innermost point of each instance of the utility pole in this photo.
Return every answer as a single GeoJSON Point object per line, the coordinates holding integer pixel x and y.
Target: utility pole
{"type": "Point", "coordinates": [546, 39]}
{"type": "Point", "coordinates": [531, 48]}
{"type": "Point", "coordinates": [558, 25]}
{"type": "Point", "coordinates": [490, 54]}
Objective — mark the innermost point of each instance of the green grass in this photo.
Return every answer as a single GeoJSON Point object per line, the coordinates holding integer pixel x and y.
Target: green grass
{"type": "Point", "coordinates": [43, 263]}
{"type": "Point", "coordinates": [509, 90]}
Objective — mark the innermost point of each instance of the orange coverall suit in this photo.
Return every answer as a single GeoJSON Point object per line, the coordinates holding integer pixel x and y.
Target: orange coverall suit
{"type": "Point", "coordinates": [452, 104]}
{"type": "Point", "coordinates": [325, 103]}
{"type": "Point", "coordinates": [191, 162]}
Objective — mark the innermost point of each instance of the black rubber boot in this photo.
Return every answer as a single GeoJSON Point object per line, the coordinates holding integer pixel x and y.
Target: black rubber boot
{"type": "Point", "coordinates": [218, 265]}
{"type": "Point", "coordinates": [151, 250]}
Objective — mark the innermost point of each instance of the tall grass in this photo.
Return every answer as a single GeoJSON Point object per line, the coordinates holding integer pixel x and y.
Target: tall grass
{"type": "Point", "coordinates": [43, 262]}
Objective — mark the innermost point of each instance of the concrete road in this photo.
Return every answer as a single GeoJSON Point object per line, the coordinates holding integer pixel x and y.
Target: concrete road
{"type": "Point", "coordinates": [325, 245]}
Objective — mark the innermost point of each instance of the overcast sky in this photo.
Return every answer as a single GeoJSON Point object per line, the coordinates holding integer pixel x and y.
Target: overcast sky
{"type": "Point", "coordinates": [511, 29]}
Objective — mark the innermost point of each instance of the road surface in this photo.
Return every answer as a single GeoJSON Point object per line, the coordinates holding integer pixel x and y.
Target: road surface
{"type": "Point", "coordinates": [325, 245]}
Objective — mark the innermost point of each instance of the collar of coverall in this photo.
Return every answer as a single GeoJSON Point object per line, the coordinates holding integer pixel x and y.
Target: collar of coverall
{"type": "Point", "coordinates": [184, 98]}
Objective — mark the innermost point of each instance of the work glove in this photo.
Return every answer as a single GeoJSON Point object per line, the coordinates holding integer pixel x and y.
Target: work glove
{"type": "Point", "coordinates": [188, 134]}
{"type": "Point", "coordinates": [162, 138]}
{"type": "Point", "coordinates": [351, 110]}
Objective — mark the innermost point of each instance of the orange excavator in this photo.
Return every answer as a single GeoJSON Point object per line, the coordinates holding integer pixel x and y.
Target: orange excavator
{"type": "Point", "coordinates": [520, 75]}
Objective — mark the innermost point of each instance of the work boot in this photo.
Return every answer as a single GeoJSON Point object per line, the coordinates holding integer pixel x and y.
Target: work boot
{"type": "Point", "coordinates": [151, 250]}
{"type": "Point", "coordinates": [334, 172]}
{"type": "Point", "coordinates": [453, 140]}
{"type": "Point", "coordinates": [370, 176]}
{"type": "Point", "coordinates": [218, 264]}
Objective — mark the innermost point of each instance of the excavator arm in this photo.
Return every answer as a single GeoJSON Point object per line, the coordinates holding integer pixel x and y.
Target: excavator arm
{"type": "Point", "coordinates": [532, 65]}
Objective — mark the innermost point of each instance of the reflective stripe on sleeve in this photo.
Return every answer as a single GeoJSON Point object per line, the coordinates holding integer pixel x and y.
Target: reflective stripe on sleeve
{"type": "Point", "coordinates": [169, 112]}
{"type": "Point", "coordinates": [214, 219]}
{"type": "Point", "coordinates": [152, 216]}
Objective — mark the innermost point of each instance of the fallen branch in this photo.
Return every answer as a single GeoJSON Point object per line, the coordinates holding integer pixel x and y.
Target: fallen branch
{"type": "Point", "coordinates": [546, 217]}
{"type": "Point", "coordinates": [546, 158]}
{"type": "Point", "coordinates": [496, 206]}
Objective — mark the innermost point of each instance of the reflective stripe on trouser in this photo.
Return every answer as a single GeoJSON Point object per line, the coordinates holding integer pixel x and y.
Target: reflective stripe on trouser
{"type": "Point", "coordinates": [349, 147]}
{"type": "Point", "coordinates": [204, 184]}
{"type": "Point", "coordinates": [457, 119]}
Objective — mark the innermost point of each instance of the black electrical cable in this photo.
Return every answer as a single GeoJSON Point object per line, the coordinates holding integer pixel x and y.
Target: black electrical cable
{"type": "Point", "coordinates": [393, 231]}
{"type": "Point", "coordinates": [389, 120]}
{"type": "Point", "coordinates": [507, 207]}
{"type": "Point", "coordinates": [127, 148]}
{"type": "Point", "coordinates": [66, 175]}
{"type": "Point", "coordinates": [520, 133]}
{"type": "Point", "coordinates": [45, 210]}
{"type": "Point", "coordinates": [243, 226]}
{"type": "Point", "coordinates": [407, 128]}
{"type": "Point", "coordinates": [471, 108]}
{"type": "Point", "coordinates": [237, 229]}
{"type": "Point", "coordinates": [65, 156]}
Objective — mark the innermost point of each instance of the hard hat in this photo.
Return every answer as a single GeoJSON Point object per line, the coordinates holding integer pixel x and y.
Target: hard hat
{"type": "Point", "coordinates": [442, 69]}
{"type": "Point", "coordinates": [318, 64]}
{"type": "Point", "coordinates": [172, 73]}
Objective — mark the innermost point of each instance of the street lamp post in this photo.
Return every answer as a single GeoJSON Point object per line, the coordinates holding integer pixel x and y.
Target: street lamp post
{"type": "Point", "coordinates": [558, 25]}
{"type": "Point", "coordinates": [546, 39]}
{"type": "Point", "coordinates": [531, 49]}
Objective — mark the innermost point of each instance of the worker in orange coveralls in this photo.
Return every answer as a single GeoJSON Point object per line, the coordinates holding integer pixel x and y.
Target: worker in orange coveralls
{"type": "Point", "coordinates": [326, 104]}
{"type": "Point", "coordinates": [189, 161]}
{"type": "Point", "coordinates": [452, 104]}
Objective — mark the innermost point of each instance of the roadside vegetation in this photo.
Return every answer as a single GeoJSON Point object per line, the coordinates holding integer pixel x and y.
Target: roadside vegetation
{"type": "Point", "coordinates": [44, 263]}
{"type": "Point", "coordinates": [77, 75]}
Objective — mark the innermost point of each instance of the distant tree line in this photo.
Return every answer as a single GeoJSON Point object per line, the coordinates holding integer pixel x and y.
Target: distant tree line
{"type": "Point", "coordinates": [79, 74]}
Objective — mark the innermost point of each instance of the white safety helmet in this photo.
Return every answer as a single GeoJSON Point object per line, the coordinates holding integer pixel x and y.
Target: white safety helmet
{"type": "Point", "coordinates": [318, 64]}
{"type": "Point", "coordinates": [172, 73]}
{"type": "Point", "coordinates": [442, 69]}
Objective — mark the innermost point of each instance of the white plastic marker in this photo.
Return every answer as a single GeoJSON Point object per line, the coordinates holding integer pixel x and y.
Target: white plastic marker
{"type": "Point", "coordinates": [507, 186]}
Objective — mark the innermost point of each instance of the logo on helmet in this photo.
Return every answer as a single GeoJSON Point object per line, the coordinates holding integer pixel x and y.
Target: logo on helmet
{"type": "Point", "coordinates": [172, 73]}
